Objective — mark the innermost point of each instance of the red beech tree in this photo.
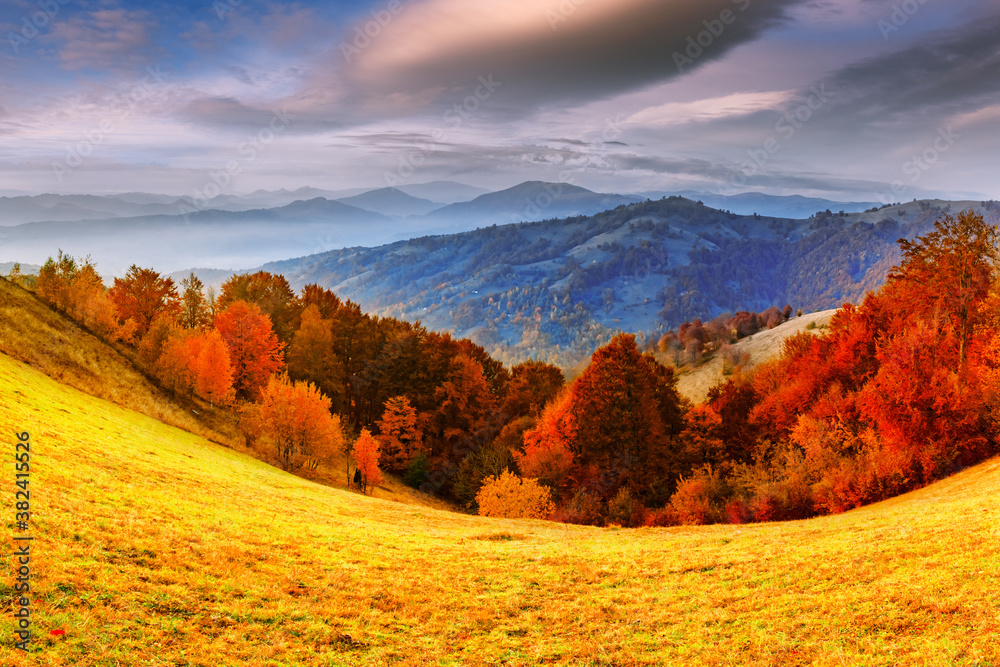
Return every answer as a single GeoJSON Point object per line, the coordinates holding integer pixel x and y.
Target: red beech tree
{"type": "Point", "coordinates": [548, 447]}
{"type": "Point", "coordinates": [254, 350]}
{"type": "Point", "coordinates": [366, 453]}
{"type": "Point", "coordinates": [949, 271]}
{"type": "Point", "coordinates": [213, 374]}
{"type": "Point", "coordinates": [142, 295]}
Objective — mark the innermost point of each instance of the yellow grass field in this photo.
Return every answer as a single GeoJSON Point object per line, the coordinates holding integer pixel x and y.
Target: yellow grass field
{"type": "Point", "coordinates": [156, 547]}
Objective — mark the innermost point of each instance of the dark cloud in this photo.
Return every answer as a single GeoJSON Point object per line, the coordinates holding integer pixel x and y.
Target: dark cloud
{"type": "Point", "coordinates": [597, 50]}
{"type": "Point", "coordinates": [948, 71]}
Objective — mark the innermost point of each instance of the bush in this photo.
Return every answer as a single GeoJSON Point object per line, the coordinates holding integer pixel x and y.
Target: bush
{"type": "Point", "coordinates": [625, 510]}
{"type": "Point", "coordinates": [738, 511]}
{"type": "Point", "coordinates": [583, 508]}
{"type": "Point", "coordinates": [511, 497]}
{"type": "Point", "coordinates": [662, 518]}
{"type": "Point", "coordinates": [416, 472]}
{"type": "Point", "coordinates": [701, 498]}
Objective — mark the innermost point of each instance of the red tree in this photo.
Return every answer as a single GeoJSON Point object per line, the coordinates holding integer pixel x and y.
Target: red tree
{"type": "Point", "coordinates": [254, 350]}
{"type": "Point", "coordinates": [366, 452]}
{"type": "Point", "coordinates": [142, 295]}
{"type": "Point", "coordinates": [213, 374]}
{"type": "Point", "coordinates": [548, 447]}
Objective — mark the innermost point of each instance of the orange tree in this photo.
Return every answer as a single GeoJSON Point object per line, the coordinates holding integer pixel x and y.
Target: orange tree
{"type": "Point", "coordinates": [628, 415]}
{"type": "Point", "coordinates": [142, 295]}
{"type": "Point", "coordinates": [398, 433]}
{"type": "Point", "coordinates": [296, 417]}
{"type": "Point", "coordinates": [366, 453]}
{"type": "Point", "coordinates": [254, 349]}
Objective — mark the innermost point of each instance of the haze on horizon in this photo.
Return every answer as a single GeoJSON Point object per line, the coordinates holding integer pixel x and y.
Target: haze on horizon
{"type": "Point", "coordinates": [837, 99]}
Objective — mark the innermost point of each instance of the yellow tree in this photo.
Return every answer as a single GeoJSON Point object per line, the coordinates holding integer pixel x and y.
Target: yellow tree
{"type": "Point", "coordinates": [296, 417]}
{"type": "Point", "coordinates": [194, 306]}
{"type": "Point", "coordinates": [311, 356]}
{"type": "Point", "coordinates": [366, 452]}
{"type": "Point", "coordinates": [511, 497]}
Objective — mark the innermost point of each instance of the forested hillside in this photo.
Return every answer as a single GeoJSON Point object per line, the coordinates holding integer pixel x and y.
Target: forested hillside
{"type": "Point", "coordinates": [556, 290]}
{"type": "Point", "coordinates": [899, 391]}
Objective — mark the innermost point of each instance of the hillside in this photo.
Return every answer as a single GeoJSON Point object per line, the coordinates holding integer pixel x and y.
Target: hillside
{"type": "Point", "coordinates": [783, 206]}
{"type": "Point", "coordinates": [694, 382]}
{"type": "Point", "coordinates": [556, 289]}
{"type": "Point", "coordinates": [57, 346]}
{"type": "Point", "coordinates": [153, 546]}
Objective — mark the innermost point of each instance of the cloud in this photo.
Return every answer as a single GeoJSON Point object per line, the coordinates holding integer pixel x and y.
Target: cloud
{"type": "Point", "coordinates": [544, 51]}
{"type": "Point", "coordinates": [715, 108]}
{"type": "Point", "coordinates": [945, 72]}
{"type": "Point", "coordinates": [105, 39]}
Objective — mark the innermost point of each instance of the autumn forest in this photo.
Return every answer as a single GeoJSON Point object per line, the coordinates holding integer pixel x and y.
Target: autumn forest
{"type": "Point", "coordinates": [900, 390]}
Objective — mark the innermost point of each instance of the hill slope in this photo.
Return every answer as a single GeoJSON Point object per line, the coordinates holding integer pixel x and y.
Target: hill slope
{"type": "Point", "coordinates": [57, 346]}
{"type": "Point", "coordinates": [557, 289]}
{"type": "Point", "coordinates": [152, 546]}
{"type": "Point", "coordinates": [210, 238]}
{"type": "Point", "coordinates": [528, 201]}
{"type": "Point", "coordinates": [694, 383]}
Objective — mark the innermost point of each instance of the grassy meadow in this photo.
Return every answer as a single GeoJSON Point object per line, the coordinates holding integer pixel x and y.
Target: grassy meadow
{"type": "Point", "coordinates": [154, 546]}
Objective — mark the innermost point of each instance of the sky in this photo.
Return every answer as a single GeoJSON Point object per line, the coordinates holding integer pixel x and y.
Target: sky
{"type": "Point", "coordinates": [864, 100]}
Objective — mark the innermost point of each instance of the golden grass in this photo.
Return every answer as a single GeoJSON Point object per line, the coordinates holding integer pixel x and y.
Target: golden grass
{"type": "Point", "coordinates": [156, 547]}
{"type": "Point", "coordinates": [695, 381]}
{"type": "Point", "coordinates": [32, 332]}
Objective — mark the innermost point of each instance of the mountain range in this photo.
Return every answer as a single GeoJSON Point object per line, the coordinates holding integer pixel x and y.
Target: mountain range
{"type": "Point", "coordinates": [557, 289]}
{"type": "Point", "coordinates": [233, 232]}
{"type": "Point", "coordinates": [236, 231]}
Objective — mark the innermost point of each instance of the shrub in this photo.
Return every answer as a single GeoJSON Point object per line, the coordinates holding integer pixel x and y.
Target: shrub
{"type": "Point", "coordinates": [416, 472]}
{"type": "Point", "coordinates": [583, 508]}
{"type": "Point", "coordinates": [700, 499]}
{"type": "Point", "coordinates": [663, 517]}
{"type": "Point", "coordinates": [624, 508]}
{"type": "Point", "coordinates": [511, 497]}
